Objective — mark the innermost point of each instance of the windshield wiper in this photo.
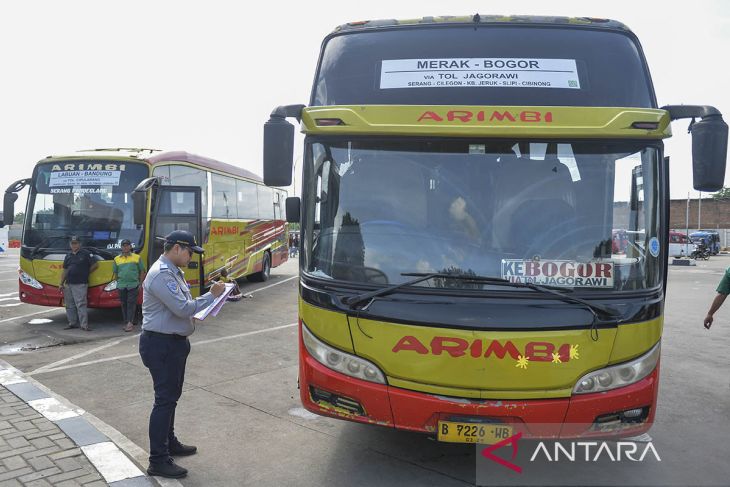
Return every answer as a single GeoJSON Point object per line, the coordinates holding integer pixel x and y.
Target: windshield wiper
{"type": "Point", "coordinates": [102, 252]}
{"type": "Point", "coordinates": [420, 277]}
{"type": "Point", "coordinates": [594, 308]}
{"type": "Point", "coordinates": [46, 241]}
{"type": "Point", "coordinates": [499, 281]}
{"type": "Point", "coordinates": [355, 300]}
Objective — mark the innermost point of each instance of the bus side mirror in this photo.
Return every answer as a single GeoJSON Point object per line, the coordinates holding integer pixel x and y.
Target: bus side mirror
{"type": "Point", "coordinates": [278, 152]}
{"type": "Point", "coordinates": [709, 144]}
{"type": "Point", "coordinates": [293, 209]}
{"type": "Point", "coordinates": [139, 201]}
{"type": "Point", "coordinates": [279, 145]}
{"type": "Point", "coordinates": [9, 208]}
{"type": "Point", "coordinates": [709, 153]}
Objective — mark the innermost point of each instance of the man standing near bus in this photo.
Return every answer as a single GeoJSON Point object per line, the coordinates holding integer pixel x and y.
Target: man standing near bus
{"type": "Point", "coordinates": [77, 265]}
{"type": "Point", "coordinates": [167, 321]}
{"type": "Point", "coordinates": [723, 289]}
{"type": "Point", "coordinates": [128, 271]}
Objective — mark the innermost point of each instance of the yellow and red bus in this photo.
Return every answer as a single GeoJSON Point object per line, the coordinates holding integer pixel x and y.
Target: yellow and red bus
{"type": "Point", "coordinates": [104, 196]}
{"type": "Point", "coordinates": [462, 179]}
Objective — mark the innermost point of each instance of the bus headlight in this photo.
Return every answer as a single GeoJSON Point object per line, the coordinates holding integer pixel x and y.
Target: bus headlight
{"type": "Point", "coordinates": [112, 286]}
{"type": "Point", "coordinates": [29, 281]}
{"type": "Point", "coordinates": [619, 375]}
{"type": "Point", "coordinates": [340, 361]}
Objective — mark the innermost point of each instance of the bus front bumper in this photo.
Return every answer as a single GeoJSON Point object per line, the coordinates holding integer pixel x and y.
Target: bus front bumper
{"type": "Point", "coordinates": [330, 393]}
{"type": "Point", "coordinates": [53, 296]}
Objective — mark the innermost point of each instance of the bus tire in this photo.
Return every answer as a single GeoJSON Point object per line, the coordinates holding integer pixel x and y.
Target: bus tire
{"type": "Point", "coordinates": [265, 270]}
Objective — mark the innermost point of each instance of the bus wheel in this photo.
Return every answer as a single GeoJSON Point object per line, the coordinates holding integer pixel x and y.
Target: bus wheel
{"type": "Point", "coordinates": [265, 270]}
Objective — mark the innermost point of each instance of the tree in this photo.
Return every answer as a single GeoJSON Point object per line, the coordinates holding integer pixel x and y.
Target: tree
{"type": "Point", "coordinates": [723, 194]}
{"type": "Point", "coordinates": [19, 217]}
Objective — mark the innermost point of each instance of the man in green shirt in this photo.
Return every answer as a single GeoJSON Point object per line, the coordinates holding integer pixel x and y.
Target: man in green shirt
{"type": "Point", "coordinates": [129, 272]}
{"type": "Point", "coordinates": [723, 289]}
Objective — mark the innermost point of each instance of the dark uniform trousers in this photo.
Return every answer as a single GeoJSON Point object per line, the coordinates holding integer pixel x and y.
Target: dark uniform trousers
{"type": "Point", "coordinates": [165, 356]}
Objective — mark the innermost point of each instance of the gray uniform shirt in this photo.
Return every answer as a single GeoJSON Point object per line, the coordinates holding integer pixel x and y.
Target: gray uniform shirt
{"type": "Point", "coordinates": [167, 305]}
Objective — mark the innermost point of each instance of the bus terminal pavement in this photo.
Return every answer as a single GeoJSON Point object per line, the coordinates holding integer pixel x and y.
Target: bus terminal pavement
{"type": "Point", "coordinates": [240, 404]}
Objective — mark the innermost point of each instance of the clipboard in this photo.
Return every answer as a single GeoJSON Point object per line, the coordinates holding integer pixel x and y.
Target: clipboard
{"type": "Point", "coordinates": [216, 305]}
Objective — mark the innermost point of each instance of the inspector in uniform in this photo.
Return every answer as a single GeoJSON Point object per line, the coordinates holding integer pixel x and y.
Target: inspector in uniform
{"type": "Point", "coordinates": [167, 311]}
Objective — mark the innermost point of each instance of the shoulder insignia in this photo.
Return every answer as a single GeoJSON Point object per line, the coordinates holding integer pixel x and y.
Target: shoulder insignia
{"type": "Point", "coordinates": [163, 267]}
{"type": "Point", "coordinates": [172, 286]}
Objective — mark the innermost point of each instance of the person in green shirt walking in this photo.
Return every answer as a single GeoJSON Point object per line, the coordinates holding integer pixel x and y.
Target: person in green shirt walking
{"type": "Point", "coordinates": [129, 272]}
{"type": "Point", "coordinates": [723, 289]}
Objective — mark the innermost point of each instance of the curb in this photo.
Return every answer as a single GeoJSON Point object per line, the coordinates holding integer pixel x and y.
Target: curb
{"type": "Point", "coordinates": [103, 446]}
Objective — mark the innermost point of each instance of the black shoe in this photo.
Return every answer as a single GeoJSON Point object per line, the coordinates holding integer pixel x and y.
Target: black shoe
{"type": "Point", "coordinates": [167, 469]}
{"type": "Point", "coordinates": [179, 450]}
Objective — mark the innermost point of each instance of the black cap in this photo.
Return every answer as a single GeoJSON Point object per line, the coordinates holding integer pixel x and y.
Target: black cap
{"type": "Point", "coordinates": [126, 241]}
{"type": "Point", "coordinates": [75, 238]}
{"type": "Point", "coordinates": [183, 237]}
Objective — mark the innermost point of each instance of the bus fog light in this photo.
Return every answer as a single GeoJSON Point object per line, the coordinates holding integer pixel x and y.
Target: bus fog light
{"type": "Point", "coordinates": [633, 413]}
{"type": "Point", "coordinates": [619, 375]}
{"type": "Point", "coordinates": [29, 281]}
{"type": "Point", "coordinates": [340, 361]}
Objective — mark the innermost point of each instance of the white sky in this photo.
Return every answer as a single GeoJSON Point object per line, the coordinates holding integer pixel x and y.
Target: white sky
{"type": "Point", "coordinates": [204, 76]}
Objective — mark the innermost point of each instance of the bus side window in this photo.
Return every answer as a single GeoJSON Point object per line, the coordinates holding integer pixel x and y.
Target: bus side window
{"type": "Point", "coordinates": [224, 197]}
{"type": "Point", "coordinates": [189, 176]}
{"type": "Point", "coordinates": [266, 202]}
{"type": "Point", "coordinates": [247, 200]}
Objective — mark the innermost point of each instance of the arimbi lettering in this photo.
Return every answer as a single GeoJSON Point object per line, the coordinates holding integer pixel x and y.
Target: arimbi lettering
{"type": "Point", "coordinates": [458, 347]}
{"type": "Point", "coordinates": [221, 230]}
{"type": "Point", "coordinates": [468, 116]}
{"type": "Point", "coordinates": [80, 166]}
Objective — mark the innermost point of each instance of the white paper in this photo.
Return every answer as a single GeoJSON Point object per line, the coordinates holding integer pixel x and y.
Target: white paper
{"type": "Point", "coordinates": [479, 72]}
{"type": "Point", "coordinates": [84, 178]}
{"type": "Point", "coordinates": [565, 273]}
{"type": "Point", "coordinates": [216, 305]}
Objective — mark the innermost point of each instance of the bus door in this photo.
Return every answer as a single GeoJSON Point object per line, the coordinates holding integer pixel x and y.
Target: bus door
{"type": "Point", "coordinates": [178, 208]}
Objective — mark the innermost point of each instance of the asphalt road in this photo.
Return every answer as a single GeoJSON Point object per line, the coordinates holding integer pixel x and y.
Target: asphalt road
{"type": "Point", "coordinates": [241, 407]}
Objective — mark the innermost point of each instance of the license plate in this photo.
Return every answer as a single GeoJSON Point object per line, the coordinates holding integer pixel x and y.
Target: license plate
{"type": "Point", "coordinates": [487, 433]}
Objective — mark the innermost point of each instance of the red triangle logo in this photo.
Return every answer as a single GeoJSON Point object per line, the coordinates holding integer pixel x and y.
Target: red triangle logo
{"type": "Point", "coordinates": [512, 440]}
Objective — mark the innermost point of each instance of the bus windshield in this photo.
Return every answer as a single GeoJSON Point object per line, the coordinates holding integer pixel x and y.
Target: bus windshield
{"type": "Point", "coordinates": [90, 199]}
{"type": "Point", "coordinates": [542, 212]}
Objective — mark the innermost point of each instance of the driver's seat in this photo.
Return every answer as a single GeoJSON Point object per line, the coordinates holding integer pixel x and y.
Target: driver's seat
{"type": "Point", "coordinates": [534, 200]}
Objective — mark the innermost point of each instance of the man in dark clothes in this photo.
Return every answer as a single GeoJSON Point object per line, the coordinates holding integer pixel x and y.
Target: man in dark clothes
{"type": "Point", "coordinates": [77, 266]}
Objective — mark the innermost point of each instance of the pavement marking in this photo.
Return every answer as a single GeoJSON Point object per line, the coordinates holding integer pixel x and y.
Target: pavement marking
{"type": "Point", "coordinates": [82, 354]}
{"type": "Point", "coordinates": [56, 365]}
{"type": "Point", "coordinates": [9, 377]}
{"type": "Point", "coordinates": [8, 280]}
{"type": "Point", "coordinates": [8, 294]}
{"type": "Point", "coordinates": [302, 413]}
{"type": "Point", "coordinates": [51, 408]}
{"type": "Point", "coordinates": [10, 305]}
{"type": "Point", "coordinates": [14, 298]}
{"type": "Point", "coordinates": [111, 463]}
{"type": "Point", "coordinates": [8, 272]}
{"type": "Point", "coordinates": [31, 314]}
{"type": "Point", "coordinates": [130, 355]}
{"type": "Point", "coordinates": [272, 285]}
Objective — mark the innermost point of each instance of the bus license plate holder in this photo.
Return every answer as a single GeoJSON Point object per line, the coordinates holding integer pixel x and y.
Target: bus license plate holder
{"type": "Point", "coordinates": [483, 433]}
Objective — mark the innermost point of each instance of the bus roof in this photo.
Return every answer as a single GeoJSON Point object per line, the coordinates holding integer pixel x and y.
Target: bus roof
{"type": "Point", "coordinates": [486, 19]}
{"type": "Point", "coordinates": [182, 156]}
{"type": "Point", "coordinates": [157, 156]}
